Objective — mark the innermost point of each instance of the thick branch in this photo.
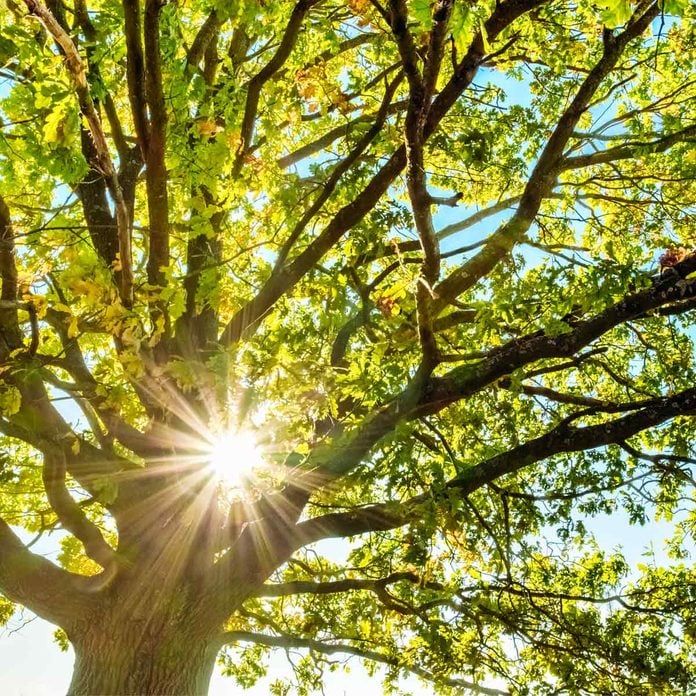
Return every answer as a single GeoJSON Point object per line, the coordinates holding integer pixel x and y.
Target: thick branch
{"type": "Point", "coordinates": [563, 438]}
{"type": "Point", "coordinates": [155, 169]}
{"type": "Point", "coordinates": [70, 514]}
{"type": "Point", "coordinates": [92, 191]}
{"type": "Point", "coordinates": [93, 188]}
{"type": "Point", "coordinates": [135, 67]}
{"type": "Point", "coordinates": [10, 334]}
{"type": "Point", "coordinates": [205, 35]}
{"type": "Point", "coordinates": [398, 22]}
{"type": "Point", "coordinates": [421, 90]}
{"type": "Point", "coordinates": [82, 19]}
{"type": "Point", "coordinates": [197, 327]}
{"type": "Point", "coordinates": [36, 583]}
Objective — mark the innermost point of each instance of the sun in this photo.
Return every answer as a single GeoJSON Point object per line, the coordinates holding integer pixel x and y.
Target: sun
{"type": "Point", "coordinates": [233, 456]}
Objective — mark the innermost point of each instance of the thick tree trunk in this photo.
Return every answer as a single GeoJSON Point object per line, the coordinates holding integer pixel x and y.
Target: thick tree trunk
{"type": "Point", "coordinates": [126, 659]}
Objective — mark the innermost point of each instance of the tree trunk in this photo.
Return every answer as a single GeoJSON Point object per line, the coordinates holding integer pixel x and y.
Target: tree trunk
{"type": "Point", "coordinates": [129, 659]}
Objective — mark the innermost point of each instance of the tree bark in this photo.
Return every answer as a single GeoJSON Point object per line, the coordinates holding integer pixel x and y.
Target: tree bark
{"type": "Point", "coordinates": [132, 656]}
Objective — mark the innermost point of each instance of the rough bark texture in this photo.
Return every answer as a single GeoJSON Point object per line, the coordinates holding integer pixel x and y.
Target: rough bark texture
{"type": "Point", "coordinates": [137, 656]}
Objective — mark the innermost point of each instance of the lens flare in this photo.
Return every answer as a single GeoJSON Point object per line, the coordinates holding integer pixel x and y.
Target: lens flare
{"type": "Point", "coordinates": [233, 456]}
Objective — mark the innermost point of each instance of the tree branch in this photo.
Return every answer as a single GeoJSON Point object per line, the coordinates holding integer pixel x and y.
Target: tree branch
{"type": "Point", "coordinates": [10, 334]}
{"type": "Point", "coordinates": [205, 35]}
{"type": "Point", "coordinates": [46, 589]}
{"type": "Point", "coordinates": [421, 91]}
{"type": "Point", "coordinates": [343, 166]}
{"type": "Point", "coordinates": [342, 131]}
{"type": "Point", "coordinates": [247, 319]}
{"type": "Point", "coordinates": [563, 438]}
{"type": "Point", "coordinates": [155, 169]}
{"type": "Point", "coordinates": [289, 642]}
{"type": "Point", "coordinates": [135, 69]}
{"type": "Point", "coordinates": [630, 150]}
{"type": "Point", "coordinates": [70, 514]}
{"type": "Point", "coordinates": [417, 399]}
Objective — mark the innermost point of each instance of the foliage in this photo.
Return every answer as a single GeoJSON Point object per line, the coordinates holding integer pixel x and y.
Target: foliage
{"type": "Point", "coordinates": [436, 258]}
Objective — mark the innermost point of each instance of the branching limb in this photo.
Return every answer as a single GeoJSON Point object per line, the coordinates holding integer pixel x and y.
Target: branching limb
{"type": "Point", "coordinates": [247, 319]}
{"type": "Point", "coordinates": [545, 172]}
{"type": "Point", "coordinates": [528, 349]}
{"type": "Point", "coordinates": [342, 340]}
{"type": "Point", "coordinates": [33, 322]}
{"type": "Point", "coordinates": [422, 398]}
{"type": "Point", "coordinates": [39, 423]}
{"type": "Point", "coordinates": [82, 19]}
{"type": "Point", "coordinates": [665, 462]}
{"type": "Point", "coordinates": [92, 191]}
{"type": "Point", "coordinates": [265, 74]}
{"type": "Point", "coordinates": [420, 95]}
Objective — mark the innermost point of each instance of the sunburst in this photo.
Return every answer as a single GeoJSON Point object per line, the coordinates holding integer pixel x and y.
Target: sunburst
{"type": "Point", "coordinates": [233, 456]}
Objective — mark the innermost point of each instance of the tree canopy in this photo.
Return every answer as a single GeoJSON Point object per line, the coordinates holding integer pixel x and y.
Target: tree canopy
{"type": "Point", "coordinates": [419, 275]}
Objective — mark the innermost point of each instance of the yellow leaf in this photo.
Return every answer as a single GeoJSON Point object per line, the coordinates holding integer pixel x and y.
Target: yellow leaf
{"type": "Point", "coordinates": [72, 327]}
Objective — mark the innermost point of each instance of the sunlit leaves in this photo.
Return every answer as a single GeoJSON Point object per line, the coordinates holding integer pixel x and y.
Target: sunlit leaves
{"type": "Point", "coordinates": [506, 583]}
{"type": "Point", "coordinates": [6, 610]}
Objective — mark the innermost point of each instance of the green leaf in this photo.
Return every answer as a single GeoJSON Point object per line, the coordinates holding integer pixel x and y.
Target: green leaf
{"type": "Point", "coordinates": [615, 13]}
{"type": "Point", "coordinates": [484, 36]}
{"type": "Point", "coordinates": [677, 8]}
{"type": "Point", "coordinates": [461, 26]}
{"type": "Point", "coordinates": [421, 11]}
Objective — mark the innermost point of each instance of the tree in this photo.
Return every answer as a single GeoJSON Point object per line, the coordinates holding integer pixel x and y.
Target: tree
{"type": "Point", "coordinates": [237, 224]}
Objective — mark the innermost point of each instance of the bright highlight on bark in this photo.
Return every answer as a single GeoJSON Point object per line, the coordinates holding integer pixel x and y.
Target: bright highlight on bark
{"type": "Point", "coordinates": [233, 456]}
